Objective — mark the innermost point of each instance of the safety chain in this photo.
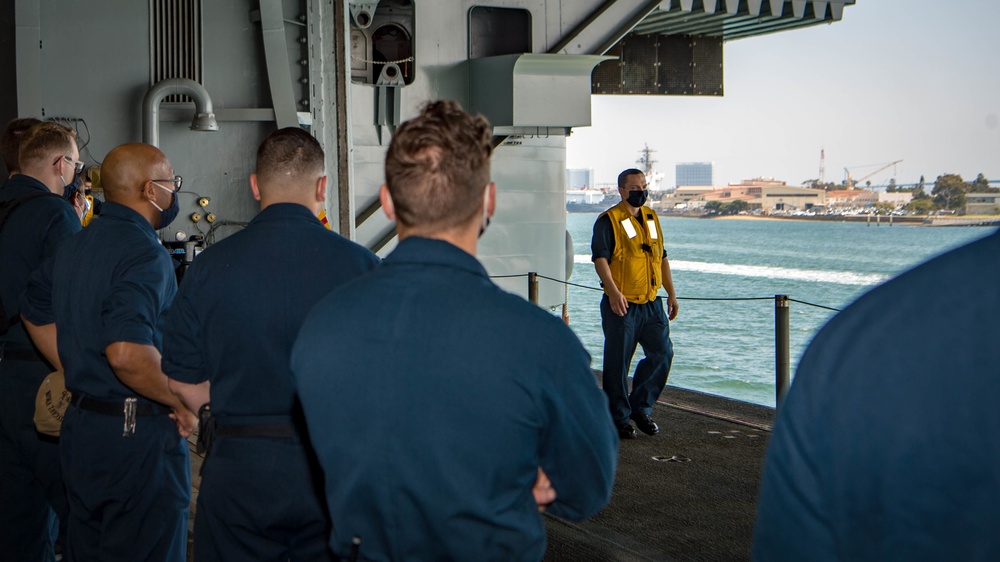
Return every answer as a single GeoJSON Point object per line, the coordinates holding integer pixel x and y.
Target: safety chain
{"type": "Point", "coordinates": [400, 61]}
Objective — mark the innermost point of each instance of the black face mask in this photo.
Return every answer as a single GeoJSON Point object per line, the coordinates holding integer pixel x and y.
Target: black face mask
{"type": "Point", "coordinates": [637, 198]}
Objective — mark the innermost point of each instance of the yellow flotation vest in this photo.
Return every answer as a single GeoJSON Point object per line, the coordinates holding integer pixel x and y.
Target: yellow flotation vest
{"type": "Point", "coordinates": [635, 263]}
{"type": "Point", "coordinates": [89, 215]}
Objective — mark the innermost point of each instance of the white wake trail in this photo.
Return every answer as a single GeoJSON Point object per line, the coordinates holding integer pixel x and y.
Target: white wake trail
{"type": "Point", "coordinates": [769, 272]}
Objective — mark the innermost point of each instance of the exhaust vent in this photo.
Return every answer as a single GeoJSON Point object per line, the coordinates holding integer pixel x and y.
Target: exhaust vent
{"type": "Point", "coordinates": [175, 42]}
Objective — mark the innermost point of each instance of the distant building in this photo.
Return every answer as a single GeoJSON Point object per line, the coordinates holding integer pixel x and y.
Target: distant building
{"type": "Point", "coordinates": [582, 196]}
{"type": "Point", "coordinates": [690, 174]}
{"type": "Point", "coordinates": [850, 198]}
{"type": "Point", "coordinates": [760, 182]}
{"type": "Point", "coordinates": [579, 178]}
{"type": "Point", "coordinates": [982, 203]}
{"type": "Point", "coordinates": [897, 198]}
{"type": "Point", "coordinates": [765, 195]}
{"type": "Point", "coordinates": [770, 196]}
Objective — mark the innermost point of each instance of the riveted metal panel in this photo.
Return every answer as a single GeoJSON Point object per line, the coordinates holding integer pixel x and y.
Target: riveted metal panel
{"type": "Point", "coordinates": [675, 57]}
{"type": "Point", "coordinates": [607, 76]}
{"type": "Point", "coordinates": [706, 66]}
{"type": "Point", "coordinates": [640, 71]}
{"type": "Point", "coordinates": [662, 65]}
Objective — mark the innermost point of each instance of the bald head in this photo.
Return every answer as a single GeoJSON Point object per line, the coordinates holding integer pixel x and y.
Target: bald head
{"type": "Point", "coordinates": [127, 169]}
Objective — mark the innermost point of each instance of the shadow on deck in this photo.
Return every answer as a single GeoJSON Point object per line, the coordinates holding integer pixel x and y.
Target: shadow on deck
{"type": "Point", "coordinates": [702, 509]}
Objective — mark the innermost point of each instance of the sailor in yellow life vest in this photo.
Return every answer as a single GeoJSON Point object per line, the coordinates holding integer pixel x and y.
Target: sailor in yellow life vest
{"type": "Point", "coordinates": [93, 207]}
{"type": "Point", "coordinates": [630, 259]}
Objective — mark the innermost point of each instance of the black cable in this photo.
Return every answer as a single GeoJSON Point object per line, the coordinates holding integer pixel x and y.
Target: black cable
{"type": "Point", "coordinates": [686, 298]}
{"type": "Point", "coordinates": [186, 192]}
{"type": "Point", "coordinates": [508, 276]}
{"type": "Point", "coordinates": [816, 305]}
{"type": "Point", "coordinates": [572, 284]}
{"type": "Point", "coordinates": [218, 224]}
{"type": "Point", "coordinates": [725, 298]}
{"type": "Point", "coordinates": [84, 121]}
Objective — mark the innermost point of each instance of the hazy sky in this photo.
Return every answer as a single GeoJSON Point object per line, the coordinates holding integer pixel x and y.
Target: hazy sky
{"type": "Point", "coordinates": [911, 80]}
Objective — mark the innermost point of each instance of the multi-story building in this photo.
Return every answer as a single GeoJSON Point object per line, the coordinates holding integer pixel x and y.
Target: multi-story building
{"type": "Point", "coordinates": [579, 178]}
{"type": "Point", "coordinates": [897, 199]}
{"type": "Point", "coordinates": [689, 174]}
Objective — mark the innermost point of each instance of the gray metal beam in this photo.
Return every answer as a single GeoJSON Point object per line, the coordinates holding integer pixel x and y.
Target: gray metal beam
{"type": "Point", "coordinates": [345, 187]}
{"type": "Point", "coordinates": [582, 26]}
{"type": "Point", "coordinates": [279, 74]}
{"type": "Point", "coordinates": [603, 28]}
{"type": "Point", "coordinates": [626, 27]}
{"type": "Point", "coordinates": [329, 102]}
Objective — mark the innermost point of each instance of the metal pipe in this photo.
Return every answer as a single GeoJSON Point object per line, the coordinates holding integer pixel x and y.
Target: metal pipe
{"type": "Point", "coordinates": [204, 118]}
{"type": "Point", "coordinates": [782, 365]}
{"type": "Point", "coordinates": [533, 287]}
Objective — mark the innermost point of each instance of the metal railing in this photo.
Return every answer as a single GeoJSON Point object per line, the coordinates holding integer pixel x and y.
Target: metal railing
{"type": "Point", "coordinates": [782, 330]}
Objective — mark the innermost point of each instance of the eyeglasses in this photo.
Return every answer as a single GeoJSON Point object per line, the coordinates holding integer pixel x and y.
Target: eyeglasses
{"type": "Point", "coordinates": [177, 181]}
{"type": "Point", "coordinates": [77, 164]}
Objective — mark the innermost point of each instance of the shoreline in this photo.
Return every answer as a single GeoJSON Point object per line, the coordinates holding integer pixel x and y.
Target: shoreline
{"type": "Point", "coordinates": [908, 220]}
{"type": "Point", "coordinates": [878, 220]}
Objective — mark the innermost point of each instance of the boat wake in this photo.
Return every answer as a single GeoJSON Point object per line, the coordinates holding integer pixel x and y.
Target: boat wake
{"type": "Point", "coordinates": [768, 272]}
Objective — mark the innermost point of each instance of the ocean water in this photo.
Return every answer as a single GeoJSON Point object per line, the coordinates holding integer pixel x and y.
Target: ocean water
{"type": "Point", "coordinates": [727, 347]}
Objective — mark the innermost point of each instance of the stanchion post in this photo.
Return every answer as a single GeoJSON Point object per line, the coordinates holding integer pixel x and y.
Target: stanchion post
{"type": "Point", "coordinates": [533, 287]}
{"type": "Point", "coordinates": [782, 365]}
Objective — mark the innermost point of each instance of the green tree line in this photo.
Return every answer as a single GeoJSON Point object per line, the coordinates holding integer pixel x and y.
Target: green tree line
{"type": "Point", "coordinates": [948, 193]}
{"type": "Point", "coordinates": [734, 207]}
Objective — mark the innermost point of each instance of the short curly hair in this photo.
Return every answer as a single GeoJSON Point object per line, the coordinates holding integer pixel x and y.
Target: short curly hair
{"type": "Point", "coordinates": [287, 157]}
{"type": "Point", "coordinates": [438, 165]}
{"type": "Point", "coordinates": [43, 140]}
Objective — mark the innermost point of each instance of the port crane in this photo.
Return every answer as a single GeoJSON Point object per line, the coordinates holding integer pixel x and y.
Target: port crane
{"type": "Point", "coordinates": [850, 182]}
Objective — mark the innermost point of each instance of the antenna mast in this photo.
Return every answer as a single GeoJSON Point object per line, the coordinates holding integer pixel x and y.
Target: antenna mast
{"type": "Point", "coordinates": [646, 160]}
{"type": "Point", "coordinates": [822, 165]}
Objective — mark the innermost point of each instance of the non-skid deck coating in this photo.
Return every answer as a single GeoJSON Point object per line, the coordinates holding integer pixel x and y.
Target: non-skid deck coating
{"type": "Point", "coordinates": [702, 509]}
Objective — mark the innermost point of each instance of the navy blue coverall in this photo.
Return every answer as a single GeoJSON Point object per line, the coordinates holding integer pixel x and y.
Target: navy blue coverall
{"type": "Point", "coordinates": [233, 323]}
{"type": "Point", "coordinates": [433, 397]}
{"type": "Point", "coordinates": [128, 496]}
{"type": "Point", "coordinates": [30, 478]}
{"type": "Point", "coordinates": [643, 325]}
{"type": "Point", "coordinates": [885, 447]}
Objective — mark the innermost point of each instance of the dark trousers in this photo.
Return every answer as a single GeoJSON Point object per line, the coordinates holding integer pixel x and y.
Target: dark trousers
{"type": "Point", "coordinates": [129, 498]}
{"type": "Point", "coordinates": [645, 325]}
{"type": "Point", "coordinates": [261, 499]}
{"type": "Point", "coordinates": [31, 487]}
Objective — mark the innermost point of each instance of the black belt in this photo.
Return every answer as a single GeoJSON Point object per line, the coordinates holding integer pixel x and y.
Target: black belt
{"type": "Point", "coordinates": [116, 408]}
{"type": "Point", "coordinates": [209, 430]}
{"type": "Point", "coordinates": [20, 355]}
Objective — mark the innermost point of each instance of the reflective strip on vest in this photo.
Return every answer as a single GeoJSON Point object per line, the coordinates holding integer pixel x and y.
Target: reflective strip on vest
{"type": "Point", "coordinates": [638, 256]}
